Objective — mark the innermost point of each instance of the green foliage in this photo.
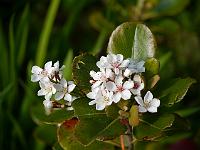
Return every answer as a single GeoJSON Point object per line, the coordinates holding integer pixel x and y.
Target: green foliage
{"type": "Point", "coordinates": [175, 90]}
{"type": "Point", "coordinates": [82, 65]}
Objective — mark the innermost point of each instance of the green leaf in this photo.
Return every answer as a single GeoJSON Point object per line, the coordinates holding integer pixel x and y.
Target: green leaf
{"type": "Point", "coordinates": [46, 133]}
{"type": "Point", "coordinates": [145, 145]}
{"type": "Point", "coordinates": [94, 124]}
{"type": "Point", "coordinates": [151, 72]}
{"type": "Point", "coordinates": [152, 125]}
{"type": "Point", "coordinates": [121, 39]}
{"type": "Point", "coordinates": [56, 116]}
{"type": "Point", "coordinates": [175, 91]}
{"type": "Point", "coordinates": [68, 64]}
{"type": "Point", "coordinates": [188, 111]}
{"type": "Point", "coordinates": [144, 43]}
{"type": "Point", "coordinates": [68, 141]}
{"type": "Point", "coordinates": [82, 65]}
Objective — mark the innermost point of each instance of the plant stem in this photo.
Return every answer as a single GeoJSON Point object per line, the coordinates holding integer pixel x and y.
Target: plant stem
{"type": "Point", "coordinates": [122, 142]}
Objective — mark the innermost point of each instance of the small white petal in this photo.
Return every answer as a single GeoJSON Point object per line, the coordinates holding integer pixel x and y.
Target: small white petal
{"type": "Point", "coordinates": [124, 63]}
{"type": "Point", "coordinates": [48, 96]}
{"type": "Point", "coordinates": [42, 92]}
{"type": "Point", "coordinates": [148, 97]}
{"type": "Point", "coordinates": [111, 86]}
{"type": "Point", "coordinates": [100, 106]}
{"type": "Point", "coordinates": [128, 84]}
{"type": "Point", "coordinates": [119, 58]}
{"type": "Point", "coordinates": [136, 92]}
{"type": "Point", "coordinates": [92, 102]}
{"type": "Point", "coordinates": [155, 102]}
{"type": "Point", "coordinates": [116, 70]}
{"type": "Point", "coordinates": [111, 58]}
{"type": "Point", "coordinates": [48, 65]}
{"type": "Point", "coordinates": [139, 100]}
{"type": "Point", "coordinates": [58, 87]}
{"type": "Point", "coordinates": [63, 82]}
{"type": "Point", "coordinates": [91, 95]}
{"type": "Point", "coordinates": [126, 94]}
{"type": "Point", "coordinates": [68, 97]}
{"type": "Point", "coordinates": [137, 78]}
{"type": "Point", "coordinates": [152, 109]}
{"type": "Point", "coordinates": [117, 97]}
{"type": "Point", "coordinates": [59, 95]}
{"type": "Point", "coordinates": [56, 65]}
{"type": "Point", "coordinates": [36, 70]}
{"type": "Point", "coordinates": [35, 78]}
{"type": "Point", "coordinates": [47, 104]}
{"type": "Point", "coordinates": [142, 109]}
{"type": "Point", "coordinates": [96, 84]}
{"type": "Point", "coordinates": [71, 88]}
{"type": "Point", "coordinates": [127, 72]}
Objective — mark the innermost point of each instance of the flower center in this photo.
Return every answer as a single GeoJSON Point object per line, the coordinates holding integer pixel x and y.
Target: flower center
{"type": "Point", "coordinates": [136, 85]}
{"type": "Point", "coordinates": [120, 88]}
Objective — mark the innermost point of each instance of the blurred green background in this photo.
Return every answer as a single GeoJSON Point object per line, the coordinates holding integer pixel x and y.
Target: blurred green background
{"type": "Point", "coordinates": [33, 32]}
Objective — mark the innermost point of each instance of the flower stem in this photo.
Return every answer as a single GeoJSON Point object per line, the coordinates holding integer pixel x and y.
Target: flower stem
{"type": "Point", "coordinates": [122, 142]}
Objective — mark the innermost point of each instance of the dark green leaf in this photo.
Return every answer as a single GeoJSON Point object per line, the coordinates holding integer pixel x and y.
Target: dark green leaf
{"type": "Point", "coordinates": [152, 125]}
{"type": "Point", "coordinates": [94, 124]}
{"type": "Point", "coordinates": [82, 65]}
{"type": "Point", "coordinates": [46, 133]}
{"type": "Point", "coordinates": [68, 141]}
{"type": "Point", "coordinates": [144, 43]}
{"type": "Point", "coordinates": [121, 40]}
{"type": "Point", "coordinates": [175, 90]}
{"type": "Point", "coordinates": [57, 116]}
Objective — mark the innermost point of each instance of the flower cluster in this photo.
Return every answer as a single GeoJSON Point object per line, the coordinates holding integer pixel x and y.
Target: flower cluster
{"type": "Point", "coordinates": [52, 82]}
{"type": "Point", "coordinates": [118, 79]}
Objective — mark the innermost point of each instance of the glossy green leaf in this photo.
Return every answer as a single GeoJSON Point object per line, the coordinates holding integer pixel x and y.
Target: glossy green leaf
{"type": "Point", "coordinates": [144, 43]}
{"type": "Point", "coordinates": [112, 111]}
{"type": "Point", "coordinates": [121, 39]}
{"type": "Point", "coordinates": [94, 124]}
{"type": "Point", "coordinates": [68, 141]}
{"type": "Point", "coordinates": [151, 67]}
{"type": "Point", "coordinates": [151, 126]}
{"type": "Point", "coordinates": [57, 116]}
{"type": "Point", "coordinates": [82, 65]}
{"type": "Point", "coordinates": [175, 90]}
{"type": "Point", "coordinates": [146, 145]}
{"type": "Point", "coordinates": [46, 133]}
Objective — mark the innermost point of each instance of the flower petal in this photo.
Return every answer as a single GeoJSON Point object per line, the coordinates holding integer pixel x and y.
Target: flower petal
{"type": "Point", "coordinates": [71, 87]}
{"type": "Point", "coordinates": [96, 84]}
{"type": "Point", "coordinates": [48, 96]}
{"type": "Point", "coordinates": [152, 109]}
{"type": "Point", "coordinates": [119, 58]}
{"type": "Point", "coordinates": [58, 87]}
{"type": "Point", "coordinates": [139, 100]}
{"type": "Point", "coordinates": [35, 78]}
{"type": "Point", "coordinates": [155, 102]}
{"type": "Point", "coordinates": [126, 94]}
{"type": "Point", "coordinates": [128, 84]}
{"type": "Point", "coordinates": [137, 78]}
{"type": "Point", "coordinates": [124, 63]}
{"type": "Point", "coordinates": [59, 95]}
{"type": "Point", "coordinates": [48, 65]}
{"type": "Point", "coordinates": [100, 106]}
{"type": "Point", "coordinates": [36, 70]}
{"type": "Point", "coordinates": [117, 97]}
{"type": "Point", "coordinates": [142, 109]}
{"type": "Point", "coordinates": [68, 97]}
{"type": "Point", "coordinates": [127, 72]}
{"type": "Point", "coordinates": [148, 97]}
{"type": "Point", "coordinates": [41, 92]}
{"type": "Point", "coordinates": [47, 104]}
{"type": "Point", "coordinates": [91, 95]}
{"type": "Point", "coordinates": [92, 102]}
{"type": "Point", "coordinates": [111, 86]}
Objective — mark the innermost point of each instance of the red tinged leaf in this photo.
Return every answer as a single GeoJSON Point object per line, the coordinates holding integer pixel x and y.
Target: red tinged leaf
{"type": "Point", "coordinates": [71, 123]}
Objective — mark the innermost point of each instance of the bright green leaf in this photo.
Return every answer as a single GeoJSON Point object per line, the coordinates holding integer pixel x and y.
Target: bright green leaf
{"type": "Point", "coordinates": [82, 65]}
{"type": "Point", "coordinates": [121, 39]}
{"type": "Point", "coordinates": [134, 118]}
{"type": "Point", "coordinates": [144, 43]}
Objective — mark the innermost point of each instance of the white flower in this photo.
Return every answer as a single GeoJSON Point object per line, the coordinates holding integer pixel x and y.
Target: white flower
{"type": "Point", "coordinates": [63, 90]}
{"type": "Point", "coordinates": [100, 77]}
{"type": "Point", "coordinates": [121, 90]}
{"type": "Point", "coordinates": [138, 85]}
{"type": "Point", "coordinates": [57, 73]}
{"type": "Point", "coordinates": [149, 104]}
{"type": "Point", "coordinates": [102, 99]}
{"type": "Point", "coordinates": [114, 62]}
{"type": "Point", "coordinates": [47, 89]}
{"type": "Point", "coordinates": [134, 67]}
{"type": "Point", "coordinates": [41, 74]}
